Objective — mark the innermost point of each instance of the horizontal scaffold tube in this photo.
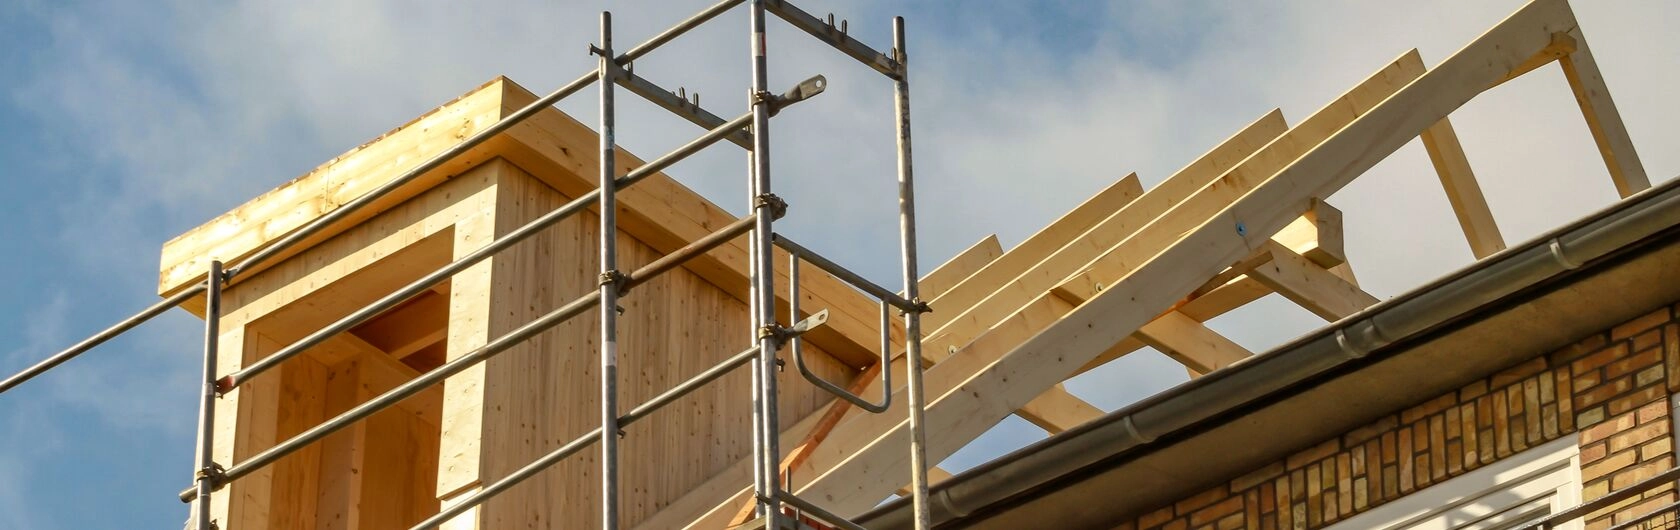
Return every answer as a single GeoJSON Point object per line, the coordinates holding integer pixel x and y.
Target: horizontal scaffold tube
{"type": "Point", "coordinates": [100, 338]}
{"type": "Point", "coordinates": [482, 353]}
{"type": "Point", "coordinates": [845, 274]}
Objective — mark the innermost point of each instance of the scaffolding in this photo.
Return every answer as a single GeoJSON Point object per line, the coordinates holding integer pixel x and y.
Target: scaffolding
{"type": "Point", "coordinates": [750, 131]}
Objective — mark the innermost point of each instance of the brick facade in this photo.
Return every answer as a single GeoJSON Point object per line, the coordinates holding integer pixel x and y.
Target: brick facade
{"type": "Point", "coordinates": [1611, 390]}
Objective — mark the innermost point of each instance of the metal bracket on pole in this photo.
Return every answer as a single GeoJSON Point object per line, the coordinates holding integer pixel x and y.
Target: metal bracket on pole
{"type": "Point", "coordinates": [805, 89]}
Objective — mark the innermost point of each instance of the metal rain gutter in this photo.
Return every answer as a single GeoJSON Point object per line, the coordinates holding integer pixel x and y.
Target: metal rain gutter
{"type": "Point", "coordinates": [1377, 327]}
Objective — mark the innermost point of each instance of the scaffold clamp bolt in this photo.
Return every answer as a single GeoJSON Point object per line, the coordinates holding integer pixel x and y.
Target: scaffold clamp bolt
{"type": "Point", "coordinates": [615, 278]}
{"type": "Point", "coordinates": [775, 204]}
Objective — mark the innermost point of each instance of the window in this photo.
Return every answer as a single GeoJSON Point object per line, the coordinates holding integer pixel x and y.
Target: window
{"type": "Point", "coordinates": [1520, 489]}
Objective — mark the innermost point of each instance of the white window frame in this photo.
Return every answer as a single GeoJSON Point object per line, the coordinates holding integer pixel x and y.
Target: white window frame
{"type": "Point", "coordinates": [1544, 479]}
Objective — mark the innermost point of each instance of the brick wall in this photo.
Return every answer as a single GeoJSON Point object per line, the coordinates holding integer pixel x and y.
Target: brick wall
{"type": "Point", "coordinates": [1611, 390]}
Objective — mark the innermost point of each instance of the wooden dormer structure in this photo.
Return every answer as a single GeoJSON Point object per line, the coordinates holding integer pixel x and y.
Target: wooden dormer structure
{"type": "Point", "coordinates": [394, 469]}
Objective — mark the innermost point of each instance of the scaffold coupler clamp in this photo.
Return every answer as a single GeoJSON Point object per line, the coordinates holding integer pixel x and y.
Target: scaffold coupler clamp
{"type": "Point", "coordinates": [770, 201]}
{"type": "Point", "coordinates": [616, 279]}
{"type": "Point", "coordinates": [781, 335]}
{"type": "Point", "coordinates": [919, 305]}
{"type": "Point", "coordinates": [215, 472]}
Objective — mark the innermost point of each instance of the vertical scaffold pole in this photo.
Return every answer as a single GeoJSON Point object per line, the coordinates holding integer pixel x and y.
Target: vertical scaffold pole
{"type": "Point", "coordinates": [766, 205]}
{"type": "Point", "coordinates": [611, 279]}
{"type": "Point", "coordinates": [912, 319]}
{"type": "Point", "coordinates": [207, 472]}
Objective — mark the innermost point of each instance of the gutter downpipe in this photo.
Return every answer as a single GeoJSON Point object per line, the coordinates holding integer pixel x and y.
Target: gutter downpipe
{"type": "Point", "coordinates": [1371, 330]}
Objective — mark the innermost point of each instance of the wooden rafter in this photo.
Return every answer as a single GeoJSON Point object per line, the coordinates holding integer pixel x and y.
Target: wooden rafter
{"type": "Point", "coordinates": [1056, 410]}
{"type": "Point", "coordinates": [960, 267]}
{"type": "Point", "coordinates": [1310, 286]}
{"type": "Point", "coordinates": [1608, 131]}
{"type": "Point", "coordinates": [1199, 349]}
{"type": "Point", "coordinates": [1465, 196]}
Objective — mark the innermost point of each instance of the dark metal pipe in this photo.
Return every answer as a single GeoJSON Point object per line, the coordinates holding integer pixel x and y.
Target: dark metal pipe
{"type": "Point", "coordinates": [205, 470]}
{"type": "Point", "coordinates": [437, 277]}
{"type": "Point", "coordinates": [698, 246]}
{"type": "Point", "coordinates": [798, 353]}
{"type": "Point", "coordinates": [1610, 499]}
{"type": "Point", "coordinates": [608, 289]}
{"type": "Point", "coordinates": [765, 206]}
{"type": "Point", "coordinates": [414, 386]}
{"type": "Point", "coordinates": [100, 338]}
{"type": "Point", "coordinates": [824, 515]}
{"type": "Point", "coordinates": [1644, 522]}
{"type": "Point", "coordinates": [912, 317]}
{"type": "Point", "coordinates": [844, 274]}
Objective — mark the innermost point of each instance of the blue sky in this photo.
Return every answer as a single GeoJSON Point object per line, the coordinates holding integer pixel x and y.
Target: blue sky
{"type": "Point", "coordinates": [129, 124]}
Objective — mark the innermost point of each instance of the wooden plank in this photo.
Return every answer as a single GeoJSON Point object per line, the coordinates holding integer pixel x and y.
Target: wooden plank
{"type": "Point", "coordinates": [1608, 132]}
{"type": "Point", "coordinates": [1177, 216]}
{"type": "Point", "coordinates": [1463, 193]}
{"type": "Point", "coordinates": [1056, 235]}
{"type": "Point", "coordinates": [1317, 234]}
{"type": "Point", "coordinates": [959, 267]}
{"type": "Point", "coordinates": [1056, 410]}
{"type": "Point", "coordinates": [1166, 229]}
{"type": "Point", "coordinates": [1311, 287]}
{"type": "Point", "coordinates": [998, 372]}
{"type": "Point", "coordinates": [935, 475]}
{"type": "Point", "coordinates": [970, 320]}
{"type": "Point", "coordinates": [240, 232]}
{"type": "Point", "coordinates": [410, 327]}
{"type": "Point", "coordinates": [1562, 46]}
{"type": "Point", "coordinates": [1190, 343]}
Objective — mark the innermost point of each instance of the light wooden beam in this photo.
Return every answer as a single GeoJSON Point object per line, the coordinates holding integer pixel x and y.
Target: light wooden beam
{"type": "Point", "coordinates": [935, 475]}
{"type": "Point", "coordinates": [1191, 343]}
{"type": "Point", "coordinates": [1312, 287]}
{"type": "Point", "coordinates": [1056, 410]}
{"type": "Point", "coordinates": [1317, 234]}
{"type": "Point", "coordinates": [998, 372]}
{"type": "Point", "coordinates": [1453, 168]}
{"type": "Point", "coordinates": [1606, 125]}
{"type": "Point", "coordinates": [1057, 234]}
{"type": "Point", "coordinates": [1042, 265]}
{"type": "Point", "coordinates": [410, 327]}
{"type": "Point", "coordinates": [960, 267]}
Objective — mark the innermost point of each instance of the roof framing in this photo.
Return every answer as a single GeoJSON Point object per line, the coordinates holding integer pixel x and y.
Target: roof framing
{"type": "Point", "coordinates": [1199, 244]}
